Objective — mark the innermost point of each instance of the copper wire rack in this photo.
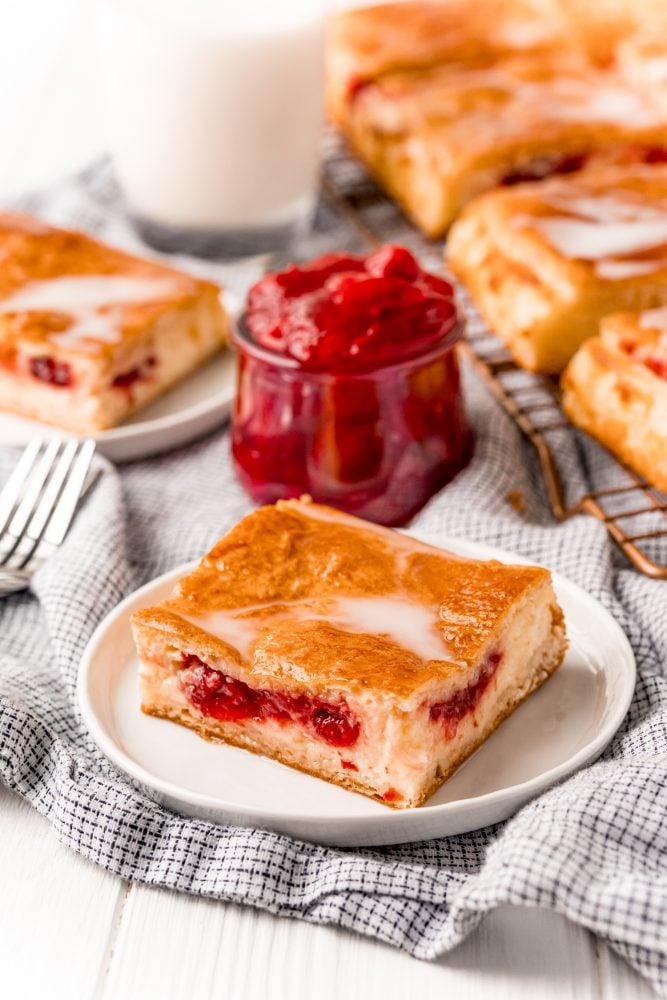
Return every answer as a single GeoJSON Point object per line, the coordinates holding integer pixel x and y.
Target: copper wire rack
{"type": "Point", "coordinates": [633, 512]}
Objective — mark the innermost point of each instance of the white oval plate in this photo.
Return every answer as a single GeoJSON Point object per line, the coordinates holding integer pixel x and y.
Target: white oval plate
{"type": "Point", "coordinates": [191, 409]}
{"type": "Point", "coordinates": [563, 726]}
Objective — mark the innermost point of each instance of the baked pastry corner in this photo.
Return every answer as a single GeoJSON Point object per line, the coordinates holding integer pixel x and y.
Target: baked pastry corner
{"type": "Point", "coordinates": [545, 262]}
{"type": "Point", "coordinates": [615, 388]}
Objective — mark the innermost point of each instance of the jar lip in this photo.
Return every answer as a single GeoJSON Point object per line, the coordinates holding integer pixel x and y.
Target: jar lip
{"type": "Point", "coordinates": [245, 344]}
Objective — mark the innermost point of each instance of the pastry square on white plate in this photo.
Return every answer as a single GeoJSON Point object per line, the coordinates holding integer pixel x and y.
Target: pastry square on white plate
{"type": "Point", "coordinates": [89, 334]}
{"type": "Point", "coordinates": [346, 650]}
{"type": "Point", "coordinates": [545, 261]}
{"type": "Point", "coordinates": [615, 387]}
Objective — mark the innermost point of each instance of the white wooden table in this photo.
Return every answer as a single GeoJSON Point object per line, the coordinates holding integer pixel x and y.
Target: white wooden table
{"type": "Point", "coordinates": [71, 930]}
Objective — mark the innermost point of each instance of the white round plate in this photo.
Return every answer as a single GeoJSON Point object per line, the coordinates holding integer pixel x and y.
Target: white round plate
{"type": "Point", "coordinates": [563, 726]}
{"type": "Point", "coordinates": [191, 409]}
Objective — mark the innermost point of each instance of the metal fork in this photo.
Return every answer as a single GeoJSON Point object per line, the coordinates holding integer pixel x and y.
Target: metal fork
{"type": "Point", "coordinates": [37, 506]}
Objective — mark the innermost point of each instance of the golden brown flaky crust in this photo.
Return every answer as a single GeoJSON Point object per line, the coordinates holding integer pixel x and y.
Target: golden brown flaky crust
{"type": "Point", "coordinates": [300, 552]}
{"type": "Point", "coordinates": [445, 100]}
{"type": "Point", "coordinates": [546, 261]}
{"type": "Point", "coordinates": [32, 251]}
{"type": "Point", "coordinates": [615, 388]}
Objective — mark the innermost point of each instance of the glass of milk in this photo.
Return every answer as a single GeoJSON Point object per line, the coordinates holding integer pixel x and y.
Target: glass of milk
{"type": "Point", "coordinates": [215, 112]}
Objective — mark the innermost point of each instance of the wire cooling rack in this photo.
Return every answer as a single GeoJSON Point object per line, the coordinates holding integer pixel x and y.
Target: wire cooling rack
{"type": "Point", "coordinates": [632, 511]}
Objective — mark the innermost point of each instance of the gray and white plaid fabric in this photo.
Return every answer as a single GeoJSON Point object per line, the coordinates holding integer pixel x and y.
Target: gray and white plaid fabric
{"type": "Point", "coordinates": [592, 848]}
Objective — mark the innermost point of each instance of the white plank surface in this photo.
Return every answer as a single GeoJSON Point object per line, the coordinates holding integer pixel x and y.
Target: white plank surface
{"type": "Point", "coordinates": [171, 946]}
{"type": "Point", "coordinates": [70, 930]}
{"type": "Point", "coordinates": [57, 911]}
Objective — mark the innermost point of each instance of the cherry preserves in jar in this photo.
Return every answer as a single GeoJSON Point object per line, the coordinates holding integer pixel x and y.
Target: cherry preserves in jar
{"type": "Point", "coordinates": [349, 386]}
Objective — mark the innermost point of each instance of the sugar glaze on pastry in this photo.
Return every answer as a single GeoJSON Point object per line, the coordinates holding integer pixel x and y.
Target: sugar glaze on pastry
{"type": "Point", "coordinates": [546, 261]}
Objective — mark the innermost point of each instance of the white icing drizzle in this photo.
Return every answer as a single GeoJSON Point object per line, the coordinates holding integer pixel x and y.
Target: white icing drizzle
{"type": "Point", "coordinates": [228, 626]}
{"type": "Point", "coordinates": [654, 68]}
{"type": "Point", "coordinates": [605, 230]}
{"type": "Point", "coordinates": [566, 98]}
{"type": "Point", "coordinates": [412, 626]}
{"type": "Point", "coordinates": [654, 319]}
{"type": "Point", "coordinates": [569, 100]}
{"type": "Point", "coordinates": [523, 33]}
{"type": "Point", "coordinates": [604, 208]}
{"type": "Point", "coordinates": [619, 270]}
{"type": "Point", "coordinates": [93, 303]}
{"type": "Point", "coordinates": [587, 240]}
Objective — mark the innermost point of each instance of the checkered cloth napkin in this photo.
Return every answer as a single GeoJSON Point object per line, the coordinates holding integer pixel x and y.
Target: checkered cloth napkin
{"type": "Point", "coordinates": [592, 848]}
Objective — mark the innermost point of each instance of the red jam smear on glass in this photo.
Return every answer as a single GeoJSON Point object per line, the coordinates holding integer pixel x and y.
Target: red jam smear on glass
{"type": "Point", "coordinates": [230, 700]}
{"type": "Point", "coordinates": [55, 373]}
{"type": "Point", "coordinates": [349, 386]}
{"type": "Point", "coordinates": [450, 712]}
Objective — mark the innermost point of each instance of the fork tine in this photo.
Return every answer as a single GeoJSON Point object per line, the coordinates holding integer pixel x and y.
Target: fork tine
{"type": "Point", "coordinates": [49, 498]}
{"type": "Point", "coordinates": [33, 489]}
{"type": "Point", "coordinates": [13, 488]}
{"type": "Point", "coordinates": [63, 513]}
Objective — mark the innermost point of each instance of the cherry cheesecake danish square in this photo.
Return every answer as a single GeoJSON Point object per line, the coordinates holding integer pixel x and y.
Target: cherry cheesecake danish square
{"type": "Point", "coordinates": [346, 650]}
{"type": "Point", "coordinates": [89, 334]}
{"type": "Point", "coordinates": [366, 42]}
{"type": "Point", "coordinates": [544, 262]}
{"type": "Point", "coordinates": [437, 138]}
{"type": "Point", "coordinates": [468, 110]}
{"type": "Point", "coordinates": [615, 387]}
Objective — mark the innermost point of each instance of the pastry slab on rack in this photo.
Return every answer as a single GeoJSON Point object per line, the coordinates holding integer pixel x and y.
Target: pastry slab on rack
{"type": "Point", "coordinates": [615, 388]}
{"type": "Point", "coordinates": [545, 261]}
{"type": "Point", "coordinates": [365, 43]}
{"type": "Point", "coordinates": [437, 138]}
{"type": "Point", "coordinates": [89, 334]}
{"type": "Point", "coordinates": [346, 650]}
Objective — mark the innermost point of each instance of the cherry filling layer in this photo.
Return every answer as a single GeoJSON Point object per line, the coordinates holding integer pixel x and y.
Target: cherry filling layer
{"type": "Point", "coordinates": [56, 373]}
{"type": "Point", "coordinates": [143, 371]}
{"type": "Point", "coordinates": [450, 712]}
{"type": "Point", "coordinates": [230, 700]}
{"type": "Point", "coordinates": [544, 166]}
{"type": "Point", "coordinates": [657, 365]}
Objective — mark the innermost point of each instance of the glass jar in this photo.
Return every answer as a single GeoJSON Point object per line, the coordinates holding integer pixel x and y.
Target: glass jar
{"type": "Point", "coordinates": [377, 444]}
